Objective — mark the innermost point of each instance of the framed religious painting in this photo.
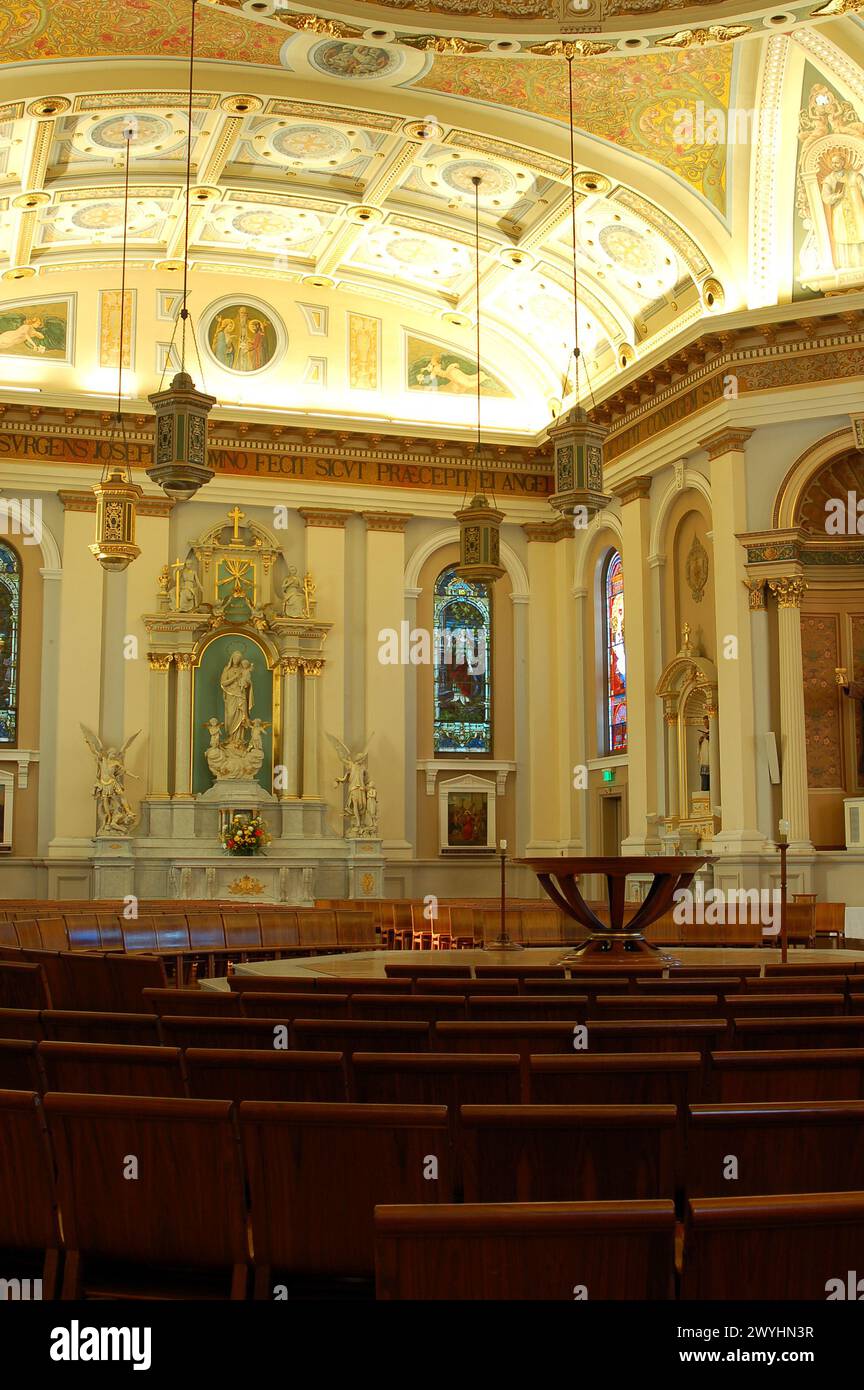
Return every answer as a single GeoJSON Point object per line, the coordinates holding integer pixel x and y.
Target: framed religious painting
{"type": "Point", "coordinates": [466, 816]}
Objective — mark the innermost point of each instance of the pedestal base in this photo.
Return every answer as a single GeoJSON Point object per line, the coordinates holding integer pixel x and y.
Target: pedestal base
{"type": "Point", "coordinates": [616, 947]}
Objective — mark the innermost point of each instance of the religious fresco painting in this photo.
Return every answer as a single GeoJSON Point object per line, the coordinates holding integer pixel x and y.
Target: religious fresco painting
{"type": "Point", "coordinates": [242, 337]}
{"type": "Point", "coordinates": [829, 191]}
{"type": "Point", "coordinates": [364, 352]}
{"type": "Point", "coordinates": [110, 328]}
{"type": "Point", "coordinates": [355, 60]}
{"type": "Point", "coordinates": [38, 329]}
{"type": "Point", "coordinates": [432, 366]}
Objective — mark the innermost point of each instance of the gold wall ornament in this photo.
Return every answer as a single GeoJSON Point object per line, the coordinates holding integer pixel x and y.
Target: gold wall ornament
{"type": "Point", "coordinates": [246, 886]}
{"type": "Point", "coordinates": [837, 7]}
{"type": "Point", "coordinates": [116, 495]}
{"type": "Point", "coordinates": [858, 431]}
{"type": "Point", "coordinates": [756, 591]}
{"type": "Point", "coordinates": [367, 883]}
{"type": "Point", "coordinates": [696, 569]}
{"type": "Point", "coordinates": [698, 38]}
{"type": "Point", "coordinates": [572, 48]}
{"type": "Point", "coordinates": [788, 592]}
{"type": "Point", "coordinates": [160, 661]}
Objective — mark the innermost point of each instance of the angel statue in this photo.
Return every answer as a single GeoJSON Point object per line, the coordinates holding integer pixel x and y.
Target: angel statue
{"type": "Point", "coordinates": [114, 812]}
{"type": "Point", "coordinates": [356, 776]}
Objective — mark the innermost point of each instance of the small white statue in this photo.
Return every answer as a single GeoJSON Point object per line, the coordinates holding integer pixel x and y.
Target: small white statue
{"type": "Point", "coordinates": [293, 595]}
{"type": "Point", "coordinates": [188, 591]}
{"type": "Point", "coordinates": [371, 822]}
{"type": "Point", "coordinates": [115, 815]}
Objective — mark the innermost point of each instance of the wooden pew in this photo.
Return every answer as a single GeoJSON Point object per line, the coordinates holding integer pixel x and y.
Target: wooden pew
{"type": "Point", "coordinates": [186, 1209]}
{"type": "Point", "coordinates": [812, 1031]}
{"type": "Point", "coordinates": [771, 1248]}
{"type": "Point", "coordinates": [79, 1025]}
{"type": "Point", "coordinates": [253, 1074]}
{"type": "Point", "coordinates": [567, 1153]}
{"type": "Point", "coordinates": [19, 1065]}
{"type": "Point", "coordinates": [793, 1074]}
{"type": "Point", "coordinates": [30, 1238]}
{"type": "Point", "coordinates": [317, 1172]}
{"type": "Point", "coordinates": [779, 1146]}
{"type": "Point", "coordinates": [538, 1251]}
{"type": "Point", "coordinates": [112, 1070]}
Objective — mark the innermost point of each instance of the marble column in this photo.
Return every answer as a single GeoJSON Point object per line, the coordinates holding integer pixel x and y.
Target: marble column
{"type": "Point", "coordinates": [311, 669]}
{"type": "Point", "coordinates": [325, 561]}
{"type": "Point", "coordinates": [715, 792]}
{"type": "Point", "coordinates": [579, 716]}
{"type": "Point", "coordinates": [386, 685]}
{"type": "Point", "coordinates": [290, 752]}
{"type": "Point", "coordinates": [157, 779]}
{"type": "Point", "coordinates": [183, 728]}
{"type": "Point", "coordinates": [642, 797]}
{"type": "Point", "coordinates": [670, 723]}
{"type": "Point", "coordinates": [739, 833]}
{"type": "Point", "coordinates": [793, 777]}
{"type": "Point", "coordinates": [547, 770]}
{"type": "Point", "coordinates": [762, 684]}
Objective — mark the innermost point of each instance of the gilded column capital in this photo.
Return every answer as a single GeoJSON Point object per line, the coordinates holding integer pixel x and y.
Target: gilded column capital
{"type": "Point", "coordinates": [756, 590]}
{"type": "Point", "coordinates": [184, 660]}
{"type": "Point", "coordinates": [160, 661]}
{"type": "Point", "coordinates": [311, 667]}
{"type": "Point", "coordinates": [788, 592]}
{"type": "Point", "coordinates": [289, 665]}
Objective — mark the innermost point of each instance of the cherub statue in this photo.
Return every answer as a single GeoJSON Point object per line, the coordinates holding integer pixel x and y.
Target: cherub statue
{"type": "Point", "coordinates": [356, 777]}
{"type": "Point", "coordinates": [114, 812]}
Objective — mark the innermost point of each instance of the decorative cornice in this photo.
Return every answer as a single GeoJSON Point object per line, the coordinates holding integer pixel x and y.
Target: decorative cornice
{"type": "Point", "coordinates": [636, 489]}
{"type": "Point", "coordinates": [726, 441]}
{"type": "Point", "coordinates": [78, 501]}
{"type": "Point", "coordinates": [561, 529]}
{"type": "Point", "coordinates": [386, 521]}
{"type": "Point", "coordinates": [334, 518]}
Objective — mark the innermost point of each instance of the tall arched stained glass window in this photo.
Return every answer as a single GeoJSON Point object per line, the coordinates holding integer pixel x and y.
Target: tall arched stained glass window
{"type": "Point", "coordinates": [10, 616]}
{"type": "Point", "coordinates": [462, 632]}
{"type": "Point", "coordinates": [616, 661]}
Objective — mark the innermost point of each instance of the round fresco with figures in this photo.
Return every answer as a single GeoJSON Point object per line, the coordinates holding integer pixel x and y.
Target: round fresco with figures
{"type": "Point", "coordinates": [243, 336]}
{"type": "Point", "coordinates": [336, 58]}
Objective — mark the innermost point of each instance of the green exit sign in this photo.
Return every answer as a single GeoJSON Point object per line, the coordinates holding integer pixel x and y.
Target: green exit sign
{"type": "Point", "coordinates": [608, 774]}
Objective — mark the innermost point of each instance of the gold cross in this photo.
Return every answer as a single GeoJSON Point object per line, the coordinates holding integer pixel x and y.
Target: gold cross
{"type": "Point", "coordinates": [236, 516]}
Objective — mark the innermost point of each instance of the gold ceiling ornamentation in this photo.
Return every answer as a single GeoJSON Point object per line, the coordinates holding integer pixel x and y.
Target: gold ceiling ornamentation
{"type": "Point", "coordinates": [837, 7]}
{"type": "Point", "coordinates": [699, 38]}
{"type": "Point", "coordinates": [572, 48]}
{"type": "Point", "coordinates": [441, 43]}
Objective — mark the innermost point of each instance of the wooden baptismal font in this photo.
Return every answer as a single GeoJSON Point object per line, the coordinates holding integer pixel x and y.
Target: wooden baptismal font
{"type": "Point", "coordinates": [559, 878]}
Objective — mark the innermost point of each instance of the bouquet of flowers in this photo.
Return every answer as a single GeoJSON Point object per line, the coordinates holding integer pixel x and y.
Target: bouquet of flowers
{"type": "Point", "coordinates": [242, 836]}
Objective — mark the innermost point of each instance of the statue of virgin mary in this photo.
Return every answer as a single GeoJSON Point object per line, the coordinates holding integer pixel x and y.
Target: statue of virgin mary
{"type": "Point", "coordinates": [236, 683]}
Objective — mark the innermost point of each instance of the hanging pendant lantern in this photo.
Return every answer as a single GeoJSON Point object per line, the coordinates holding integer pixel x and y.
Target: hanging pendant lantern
{"type": "Point", "coordinates": [116, 495]}
{"type": "Point", "coordinates": [577, 442]}
{"type": "Point", "coordinates": [479, 522]}
{"type": "Point", "coordinates": [180, 441]}
{"type": "Point", "coordinates": [180, 464]}
{"type": "Point", "coordinates": [480, 542]}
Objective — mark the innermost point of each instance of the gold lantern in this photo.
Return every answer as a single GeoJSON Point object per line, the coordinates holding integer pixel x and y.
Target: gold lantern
{"type": "Point", "coordinates": [479, 522]}
{"type": "Point", "coordinates": [180, 465]}
{"type": "Point", "coordinates": [116, 495]}
{"type": "Point", "coordinates": [577, 442]}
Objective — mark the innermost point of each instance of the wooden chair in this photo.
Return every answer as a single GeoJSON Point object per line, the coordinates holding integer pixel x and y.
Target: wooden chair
{"type": "Point", "coordinates": [19, 1065]}
{"type": "Point", "coordinates": [280, 930]}
{"type": "Point", "coordinates": [207, 1002]}
{"type": "Point", "coordinates": [780, 1146]}
{"type": "Point", "coordinates": [139, 934]}
{"type": "Point", "coordinates": [251, 1074]}
{"type": "Point", "coordinates": [515, 1252]}
{"type": "Point", "coordinates": [567, 1153]}
{"type": "Point", "coordinates": [29, 1226]}
{"type": "Point", "coordinates": [317, 929]}
{"type": "Point", "coordinates": [184, 1214]}
{"type": "Point", "coordinates": [785, 1248]}
{"type": "Point", "coordinates": [111, 1070]}
{"type": "Point", "coordinates": [317, 1172]}
{"type": "Point", "coordinates": [52, 934]}
{"type": "Point", "coordinates": [27, 932]}
{"type": "Point", "coordinates": [789, 1075]}
{"type": "Point", "coordinates": [355, 930]}
{"type": "Point", "coordinates": [361, 1035]}
{"type": "Point", "coordinates": [428, 1008]}
{"type": "Point", "coordinates": [23, 986]}
{"type": "Point", "coordinates": [242, 932]}
{"type": "Point", "coordinates": [81, 1025]}
{"type": "Point", "coordinates": [8, 934]}
{"type": "Point", "coordinates": [22, 1023]}
{"type": "Point", "coordinates": [257, 1004]}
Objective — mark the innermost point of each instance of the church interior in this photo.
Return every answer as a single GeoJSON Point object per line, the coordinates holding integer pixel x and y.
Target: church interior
{"type": "Point", "coordinates": [432, 650]}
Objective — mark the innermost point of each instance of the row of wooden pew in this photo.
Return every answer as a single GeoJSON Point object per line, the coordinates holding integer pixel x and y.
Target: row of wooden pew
{"type": "Point", "coordinates": [129, 1191]}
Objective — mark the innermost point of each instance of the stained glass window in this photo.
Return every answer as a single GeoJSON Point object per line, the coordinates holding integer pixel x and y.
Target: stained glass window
{"type": "Point", "coordinates": [616, 661]}
{"type": "Point", "coordinates": [10, 611]}
{"type": "Point", "coordinates": [462, 658]}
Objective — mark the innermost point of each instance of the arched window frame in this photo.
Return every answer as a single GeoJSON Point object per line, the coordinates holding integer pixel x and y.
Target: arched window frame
{"type": "Point", "coordinates": [10, 651]}
{"type": "Point", "coordinates": [612, 571]}
{"type": "Point", "coordinates": [452, 737]}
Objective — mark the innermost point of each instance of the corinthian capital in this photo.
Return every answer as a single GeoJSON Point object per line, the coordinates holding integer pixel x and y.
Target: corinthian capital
{"type": "Point", "coordinates": [788, 592]}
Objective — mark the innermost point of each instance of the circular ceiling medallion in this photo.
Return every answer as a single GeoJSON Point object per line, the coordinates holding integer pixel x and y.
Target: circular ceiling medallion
{"type": "Point", "coordinates": [320, 282]}
{"type": "Point", "coordinates": [587, 181]}
{"type": "Point", "coordinates": [713, 295]}
{"type": "Point", "coordinates": [306, 145]}
{"type": "Point", "coordinates": [105, 218]}
{"type": "Point", "coordinates": [516, 258]}
{"type": "Point", "coordinates": [288, 226]}
{"type": "Point", "coordinates": [362, 62]}
{"type": "Point", "coordinates": [241, 104]}
{"type": "Point", "coordinates": [204, 193]}
{"type": "Point", "coordinates": [48, 106]}
{"type": "Point", "coordinates": [423, 130]}
{"type": "Point", "coordinates": [146, 132]}
{"type": "Point", "coordinates": [243, 335]}
{"type": "Point", "coordinates": [496, 181]}
{"type": "Point", "coordinates": [29, 201]}
{"type": "Point", "coordinates": [366, 216]}
{"type": "Point", "coordinates": [19, 272]}
{"type": "Point", "coordinates": [455, 319]}
{"type": "Point", "coordinates": [628, 248]}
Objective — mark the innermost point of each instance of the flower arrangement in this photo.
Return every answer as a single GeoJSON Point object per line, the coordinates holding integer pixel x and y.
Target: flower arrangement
{"type": "Point", "coordinates": [242, 836]}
